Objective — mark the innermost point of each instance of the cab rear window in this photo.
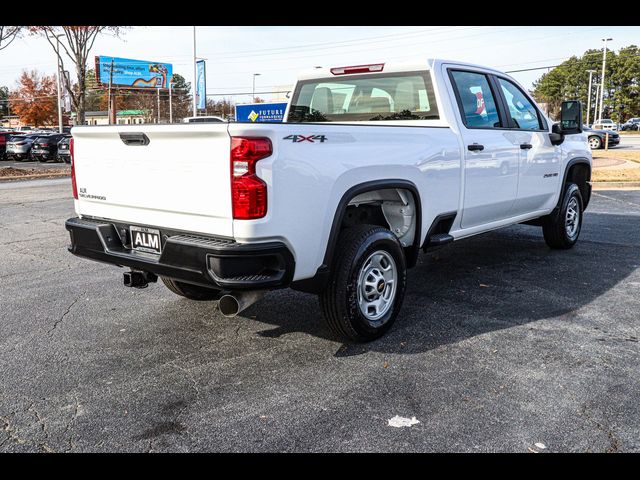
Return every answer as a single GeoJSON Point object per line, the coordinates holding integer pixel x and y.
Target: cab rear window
{"type": "Point", "coordinates": [371, 97]}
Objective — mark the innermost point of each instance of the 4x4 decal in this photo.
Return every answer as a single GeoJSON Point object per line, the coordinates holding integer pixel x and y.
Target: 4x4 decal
{"type": "Point", "coordinates": [303, 138]}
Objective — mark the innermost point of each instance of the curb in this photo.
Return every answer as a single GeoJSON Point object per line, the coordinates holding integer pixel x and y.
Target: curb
{"type": "Point", "coordinates": [606, 185]}
{"type": "Point", "coordinates": [34, 177]}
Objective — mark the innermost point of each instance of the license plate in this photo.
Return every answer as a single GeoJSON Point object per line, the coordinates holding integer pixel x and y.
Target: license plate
{"type": "Point", "coordinates": [145, 239]}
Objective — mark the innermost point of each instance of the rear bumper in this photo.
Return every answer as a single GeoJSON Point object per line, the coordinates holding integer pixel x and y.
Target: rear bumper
{"type": "Point", "coordinates": [193, 258]}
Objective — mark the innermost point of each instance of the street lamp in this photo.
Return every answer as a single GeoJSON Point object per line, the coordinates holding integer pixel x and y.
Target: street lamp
{"type": "Point", "coordinates": [195, 74]}
{"type": "Point", "coordinates": [591, 72]}
{"type": "Point", "coordinates": [595, 109]}
{"type": "Point", "coordinates": [253, 91]}
{"type": "Point", "coordinates": [604, 63]}
{"type": "Point", "coordinates": [57, 37]}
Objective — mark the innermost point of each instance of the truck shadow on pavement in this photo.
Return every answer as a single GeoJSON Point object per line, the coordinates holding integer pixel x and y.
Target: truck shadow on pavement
{"type": "Point", "coordinates": [490, 282]}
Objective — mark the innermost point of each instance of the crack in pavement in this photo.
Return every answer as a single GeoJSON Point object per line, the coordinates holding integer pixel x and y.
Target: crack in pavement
{"type": "Point", "coordinates": [614, 442]}
{"type": "Point", "coordinates": [43, 427]}
{"type": "Point", "coordinates": [57, 322]}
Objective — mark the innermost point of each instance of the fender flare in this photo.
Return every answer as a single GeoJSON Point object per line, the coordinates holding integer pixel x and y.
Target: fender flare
{"type": "Point", "coordinates": [321, 278]}
{"type": "Point", "coordinates": [571, 163]}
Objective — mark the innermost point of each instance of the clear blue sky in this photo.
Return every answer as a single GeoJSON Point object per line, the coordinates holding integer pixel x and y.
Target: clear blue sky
{"type": "Point", "coordinates": [277, 53]}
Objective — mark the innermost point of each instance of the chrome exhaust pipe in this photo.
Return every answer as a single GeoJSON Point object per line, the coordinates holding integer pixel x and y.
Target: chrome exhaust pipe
{"type": "Point", "coordinates": [233, 303]}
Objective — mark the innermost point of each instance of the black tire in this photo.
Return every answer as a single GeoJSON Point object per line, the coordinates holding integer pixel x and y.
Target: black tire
{"type": "Point", "coordinates": [192, 292]}
{"type": "Point", "coordinates": [595, 142]}
{"type": "Point", "coordinates": [555, 230]}
{"type": "Point", "coordinates": [339, 302]}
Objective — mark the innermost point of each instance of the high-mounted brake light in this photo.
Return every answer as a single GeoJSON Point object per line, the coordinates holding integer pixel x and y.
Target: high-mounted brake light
{"type": "Point", "coordinates": [73, 171]}
{"type": "Point", "coordinates": [376, 67]}
{"type": "Point", "coordinates": [248, 191]}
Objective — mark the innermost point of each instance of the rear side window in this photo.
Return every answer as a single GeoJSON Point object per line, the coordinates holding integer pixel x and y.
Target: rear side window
{"type": "Point", "coordinates": [475, 99]}
{"type": "Point", "coordinates": [388, 96]}
{"type": "Point", "coordinates": [522, 111]}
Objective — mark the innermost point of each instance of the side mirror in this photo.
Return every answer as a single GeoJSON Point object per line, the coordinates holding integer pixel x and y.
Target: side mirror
{"type": "Point", "coordinates": [571, 117]}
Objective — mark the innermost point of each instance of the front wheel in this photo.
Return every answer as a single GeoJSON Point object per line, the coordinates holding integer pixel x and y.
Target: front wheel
{"type": "Point", "coordinates": [192, 292]}
{"type": "Point", "coordinates": [564, 230]}
{"type": "Point", "coordinates": [367, 283]}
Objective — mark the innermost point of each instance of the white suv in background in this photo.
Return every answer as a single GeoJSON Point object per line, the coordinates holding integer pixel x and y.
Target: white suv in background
{"type": "Point", "coordinates": [605, 124]}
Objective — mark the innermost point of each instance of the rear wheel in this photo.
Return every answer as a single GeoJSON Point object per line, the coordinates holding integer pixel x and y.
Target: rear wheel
{"type": "Point", "coordinates": [367, 283]}
{"type": "Point", "coordinates": [192, 292]}
{"type": "Point", "coordinates": [564, 230]}
{"type": "Point", "coordinates": [595, 143]}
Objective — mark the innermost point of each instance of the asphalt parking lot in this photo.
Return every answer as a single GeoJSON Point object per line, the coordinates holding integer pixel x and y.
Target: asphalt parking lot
{"type": "Point", "coordinates": [501, 344]}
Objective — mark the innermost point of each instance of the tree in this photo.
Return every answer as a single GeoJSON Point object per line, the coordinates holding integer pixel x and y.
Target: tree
{"type": "Point", "coordinates": [8, 35]}
{"type": "Point", "coordinates": [76, 42]}
{"type": "Point", "coordinates": [4, 101]}
{"type": "Point", "coordinates": [570, 80]}
{"type": "Point", "coordinates": [221, 108]}
{"type": "Point", "coordinates": [35, 99]}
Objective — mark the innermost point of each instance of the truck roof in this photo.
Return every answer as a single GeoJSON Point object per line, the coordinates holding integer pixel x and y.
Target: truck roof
{"type": "Point", "coordinates": [415, 65]}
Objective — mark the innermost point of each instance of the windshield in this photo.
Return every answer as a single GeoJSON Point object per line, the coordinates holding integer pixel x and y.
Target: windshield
{"type": "Point", "coordinates": [386, 96]}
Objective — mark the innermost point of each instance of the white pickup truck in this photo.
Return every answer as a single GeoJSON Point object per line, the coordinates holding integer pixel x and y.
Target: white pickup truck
{"type": "Point", "coordinates": [372, 164]}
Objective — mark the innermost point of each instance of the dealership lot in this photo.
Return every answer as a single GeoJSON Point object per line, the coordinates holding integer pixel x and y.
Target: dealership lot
{"type": "Point", "coordinates": [501, 344]}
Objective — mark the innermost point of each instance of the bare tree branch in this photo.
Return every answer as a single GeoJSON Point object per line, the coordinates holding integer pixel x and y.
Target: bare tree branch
{"type": "Point", "coordinates": [76, 42]}
{"type": "Point", "coordinates": [8, 35]}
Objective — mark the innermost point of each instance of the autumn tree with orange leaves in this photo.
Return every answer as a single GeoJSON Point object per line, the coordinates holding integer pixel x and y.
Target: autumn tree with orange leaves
{"type": "Point", "coordinates": [35, 99]}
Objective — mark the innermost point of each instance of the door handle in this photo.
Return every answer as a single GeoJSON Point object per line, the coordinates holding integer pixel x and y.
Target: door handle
{"type": "Point", "coordinates": [526, 146]}
{"type": "Point", "coordinates": [134, 138]}
{"type": "Point", "coordinates": [475, 147]}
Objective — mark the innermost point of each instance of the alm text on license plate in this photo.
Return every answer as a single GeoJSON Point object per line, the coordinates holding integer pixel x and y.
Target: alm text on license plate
{"type": "Point", "coordinates": [145, 239]}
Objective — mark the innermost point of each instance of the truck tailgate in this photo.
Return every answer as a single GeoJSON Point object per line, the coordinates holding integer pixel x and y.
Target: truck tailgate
{"type": "Point", "coordinates": [178, 180]}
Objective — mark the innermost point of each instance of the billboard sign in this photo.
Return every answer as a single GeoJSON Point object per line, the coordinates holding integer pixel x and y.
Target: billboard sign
{"type": "Point", "coordinates": [261, 112]}
{"type": "Point", "coordinates": [133, 73]}
{"type": "Point", "coordinates": [201, 85]}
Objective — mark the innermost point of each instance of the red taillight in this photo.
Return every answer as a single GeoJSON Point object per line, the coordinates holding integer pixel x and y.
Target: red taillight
{"type": "Point", "coordinates": [73, 170]}
{"type": "Point", "coordinates": [377, 67]}
{"type": "Point", "coordinates": [248, 191]}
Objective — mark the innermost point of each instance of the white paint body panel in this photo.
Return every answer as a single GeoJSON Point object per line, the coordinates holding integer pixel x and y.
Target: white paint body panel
{"type": "Point", "coordinates": [181, 180]}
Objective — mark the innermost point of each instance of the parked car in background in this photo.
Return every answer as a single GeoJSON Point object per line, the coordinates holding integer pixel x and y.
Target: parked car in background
{"type": "Point", "coordinates": [45, 147]}
{"type": "Point", "coordinates": [633, 125]}
{"type": "Point", "coordinates": [4, 136]}
{"type": "Point", "coordinates": [604, 124]}
{"type": "Point", "coordinates": [19, 147]}
{"type": "Point", "coordinates": [64, 154]}
{"type": "Point", "coordinates": [597, 138]}
{"type": "Point", "coordinates": [204, 119]}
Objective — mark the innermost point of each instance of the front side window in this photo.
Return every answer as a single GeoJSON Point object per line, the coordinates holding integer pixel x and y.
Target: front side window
{"type": "Point", "coordinates": [389, 96]}
{"type": "Point", "coordinates": [522, 111]}
{"type": "Point", "coordinates": [477, 104]}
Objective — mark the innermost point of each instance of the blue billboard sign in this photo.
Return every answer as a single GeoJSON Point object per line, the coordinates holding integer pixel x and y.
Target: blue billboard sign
{"type": "Point", "coordinates": [201, 85]}
{"type": "Point", "coordinates": [261, 112]}
{"type": "Point", "coordinates": [133, 73]}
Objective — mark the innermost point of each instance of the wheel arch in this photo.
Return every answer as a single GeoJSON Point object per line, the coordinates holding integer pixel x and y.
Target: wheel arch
{"type": "Point", "coordinates": [319, 281]}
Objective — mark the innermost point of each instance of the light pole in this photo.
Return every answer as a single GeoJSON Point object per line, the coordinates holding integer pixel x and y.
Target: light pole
{"type": "Point", "coordinates": [59, 87]}
{"type": "Point", "coordinates": [253, 91]}
{"type": "Point", "coordinates": [604, 64]}
{"type": "Point", "coordinates": [195, 74]}
{"type": "Point", "coordinates": [591, 72]}
{"type": "Point", "coordinates": [595, 109]}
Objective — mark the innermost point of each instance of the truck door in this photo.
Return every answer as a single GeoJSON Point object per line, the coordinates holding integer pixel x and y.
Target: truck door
{"type": "Point", "coordinates": [491, 157]}
{"type": "Point", "coordinates": [539, 170]}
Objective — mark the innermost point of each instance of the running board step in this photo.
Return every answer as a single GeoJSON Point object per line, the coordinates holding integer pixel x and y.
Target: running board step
{"type": "Point", "coordinates": [439, 239]}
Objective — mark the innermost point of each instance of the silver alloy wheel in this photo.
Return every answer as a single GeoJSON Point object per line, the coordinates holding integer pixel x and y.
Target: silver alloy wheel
{"type": "Point", "coordinates": [377, 286]}
{"type": "Point", "coordinates": [594, 142]}
{"type": "Point", "coordinates": [572, 218]}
